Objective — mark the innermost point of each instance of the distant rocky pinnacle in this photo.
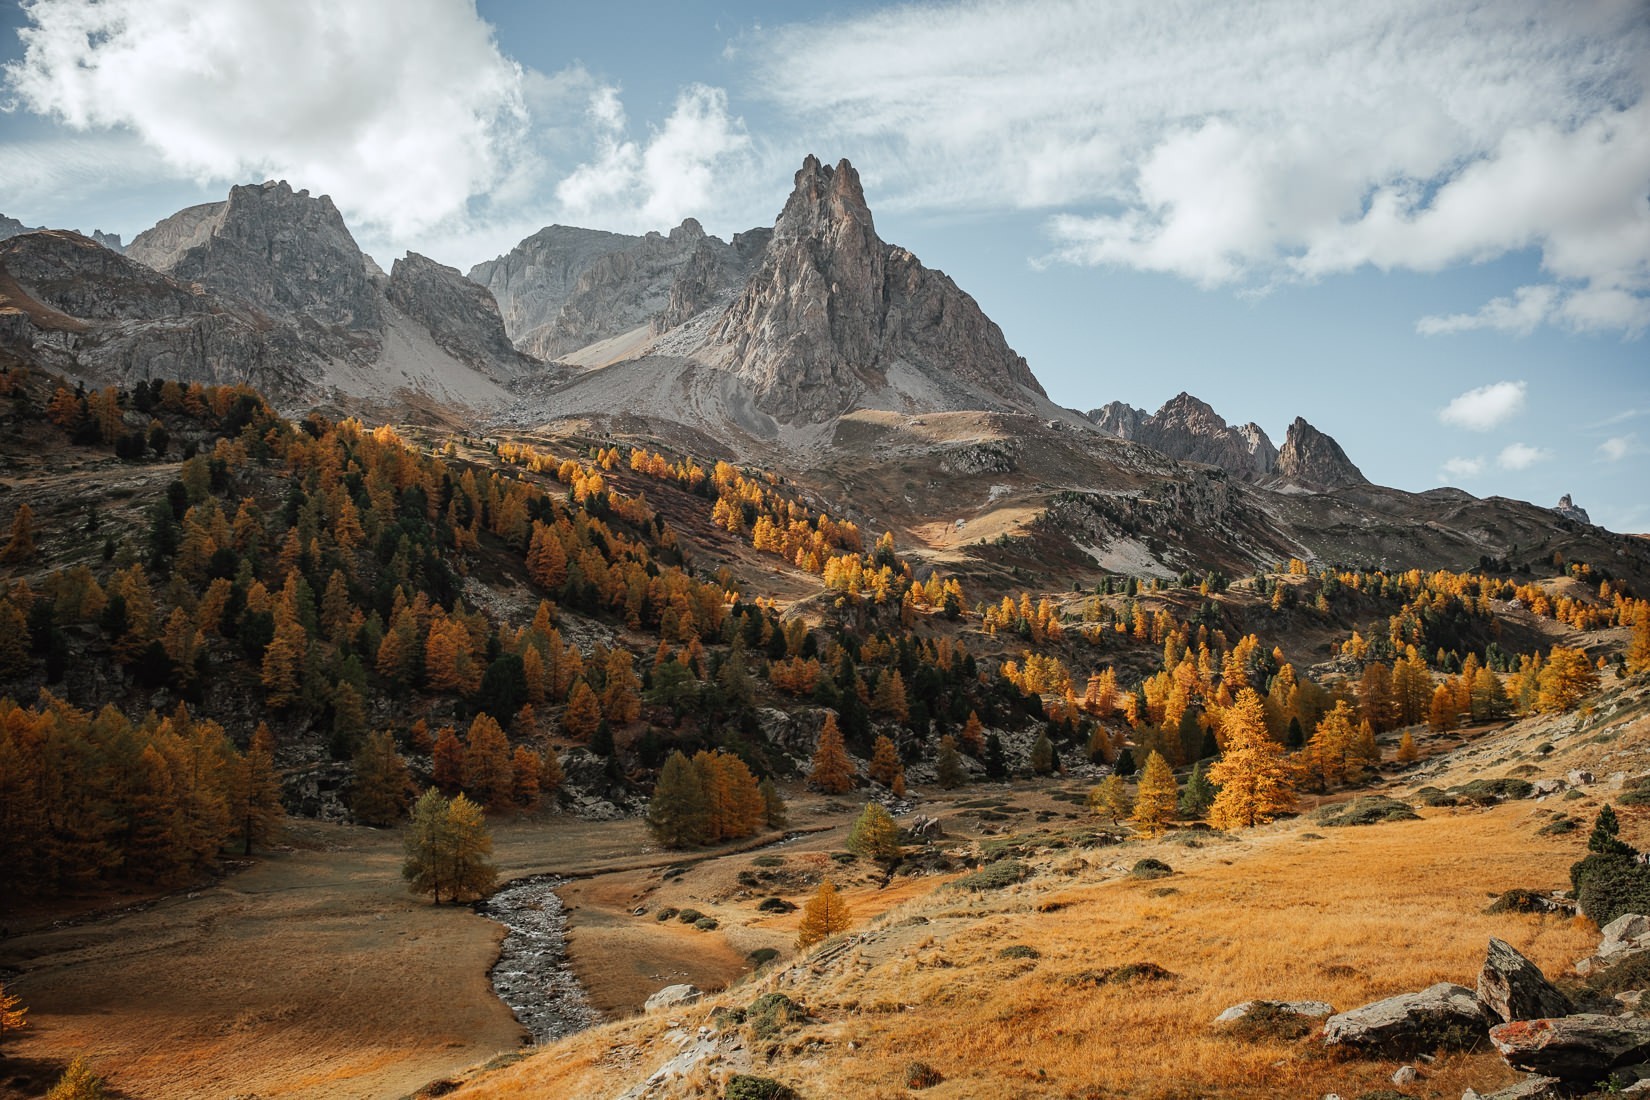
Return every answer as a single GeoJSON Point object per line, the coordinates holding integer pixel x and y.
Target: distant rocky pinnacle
{"type": "Point", "coordinates": [273, 247]}
{"type": "Point", "coordinates": [1188, 429]}
{"type": "Point", "coordinates": [1568, 509]}
{"type": "Point", "coordinates": [832, 313]}
{"type": "Point", "coordinates": [1311, 457]}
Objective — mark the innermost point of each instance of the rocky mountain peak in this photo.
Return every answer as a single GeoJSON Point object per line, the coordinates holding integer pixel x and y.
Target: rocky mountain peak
{"type": "Point", "coordinates": [834, 318]}
{"type": "Point", "coordinates": [1118, 418]}
{"type": "Point", "coordinates": [1310, 456]}
{"type": "Point", "coordinates": [279, 249]}
{"type": "Point", "coordinates": [1189, 429]}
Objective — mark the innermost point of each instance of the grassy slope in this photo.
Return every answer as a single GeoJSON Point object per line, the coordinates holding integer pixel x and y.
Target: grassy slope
{"type": "Point", "coordinates": [1357, 915]}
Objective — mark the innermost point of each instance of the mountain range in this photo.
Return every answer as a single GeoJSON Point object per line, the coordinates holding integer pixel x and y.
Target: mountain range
{"type": "Point", "coordinates": [814, 349]}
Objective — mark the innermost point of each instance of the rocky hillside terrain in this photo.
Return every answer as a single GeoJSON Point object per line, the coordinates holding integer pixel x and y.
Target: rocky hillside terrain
{"type": "Point", "coordinates": [1189, 429]}
{"type": "Point", "coordinates": [269, 289]}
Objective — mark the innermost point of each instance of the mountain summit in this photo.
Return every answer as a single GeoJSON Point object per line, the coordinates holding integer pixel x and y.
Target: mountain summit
{"type": "Point", "coordinates": [835, 318]}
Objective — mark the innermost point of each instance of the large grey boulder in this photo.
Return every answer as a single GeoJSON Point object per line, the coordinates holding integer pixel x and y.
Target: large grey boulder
{"type": "Point", "coordinates": [1582, 1047]}
{"type": "Point", "coordinates": [1627, 935]}
{"type": "Point", "coordinates": [674, 996]}
{"type": "Point", "coordinates": [1307, 1009]}
{"type": "Point", "coordinates": [1513, 988]}
{"type": "Point", "coordinates": [1443, 1015]}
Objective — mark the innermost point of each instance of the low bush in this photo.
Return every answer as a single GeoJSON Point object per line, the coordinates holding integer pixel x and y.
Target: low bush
{"type": "Point", "coordinates": [774, 905]}
{"type": "Point", "coordinates": [705, 924]}
{"type": "Point", "coordinates": [994, 876]}
{"type": "Point", "coordinates": [745, 1086]}
{"type": "Point", "coordinates": [688, 916]}
{"type": "Point", "coordinates": [1019, 951]}
{"type": "Point", "coordinates": [921, 1075]}
{"type": "Point", "coordinates": [1150, 869]}
{"type": "Point", "coordinates": [665, 914]}
{"type": "Point", "coordinates": [1371, 809]}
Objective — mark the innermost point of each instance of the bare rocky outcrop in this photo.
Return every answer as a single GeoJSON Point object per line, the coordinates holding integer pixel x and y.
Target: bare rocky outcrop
{"type": "Point", "coordinates": [1118, 418]}
{"type": "Point", "coordinates": [833, 314]}
{"type": "Point", "coordinates": [460, 315]}
{"type": "Point", "coordinates": [1622, 938]}
{"type": "Point", "coordinates": [1313, 458]}
{"type": "Point", "coordinates": [1513, 988]}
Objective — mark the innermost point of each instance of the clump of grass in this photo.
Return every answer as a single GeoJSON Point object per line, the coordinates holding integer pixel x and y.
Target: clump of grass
{"type": "Point", "coordinates": [665, 914]}
{"type": "Point", "coordinates": [1150, 869]}
{"type": "Point", "coordinates": [745, 1086]}
{"type": "Point", "coordinates": [774, 905]}
{"type": "Point", "coordinates": [921, 1075]}
{"type": "Point", "coordinates": [769, 861]}
{"type": "Point", "coordinates": [688, 916]}
{"type": "Point", "coordinates": [1019, 951]}
{"type": "Point", "coordinates": [761, 957]}
{"type": "Point", "coordinates": [771, 1013]}
{"type": "Point", "coordinates": [705, 924]}
{"type": "Point", "coordinates": [1127, 974]}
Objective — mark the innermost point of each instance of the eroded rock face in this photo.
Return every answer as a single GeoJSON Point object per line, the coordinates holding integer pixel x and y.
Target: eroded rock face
{"type": "Point", "coordinates": [272, 247]}
{"type": "Point", "coordinates": [461, 315]}
{"type": "Point", "coordinates": [1622, 938]}
{"type": "Point", "coordinates": [1514, 988]}
{"type": "Point", "coordinates": [1311, 457]}
{"type": "Point", "coordinates": [1567, 508]}
{"type": "Point", "coordinates": [832, 312]}
{"type": "Point", "coordinates": [1118, 418]}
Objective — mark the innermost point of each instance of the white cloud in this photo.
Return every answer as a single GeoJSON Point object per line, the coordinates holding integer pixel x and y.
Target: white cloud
{"type": "Point", "coordinates": [1521, 456]}
{"type": "Point", "coordinates": [1463, 468]}
{"type": "Point", "coordinates": [1248, 142]}
{"type": "Point", "coordinates": [403, 110]}
{"type": "Point", "coordinates": [1619, 447]}
{"type": "Point", "coordinates": [655, 183]}
{"type": "Point", "coordinates": [1481, 409]}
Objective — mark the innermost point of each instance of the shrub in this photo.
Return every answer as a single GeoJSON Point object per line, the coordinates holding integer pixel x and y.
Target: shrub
{"type": "Point", "coordinates": [665, 914]}
{"type": "Point", "coordinates": [1609, 885]}
{"type": "Point", "coordinates": [1019, 951]}
{"type": "Point", "coordinates": [921, 1075]}
{"type": "Point", "coordinates": [769, 1014]}
{"type": "Point", "coordinates": [77, 1083]}
{"type": "Point", "coordinates": [745, 1086]}
{"type": "Point", "coordinates": [1150, 869]}
{"type": "Point", "coordinates": [1559, 826]}
{"type": "Point", "coordinates": [1268, 1022]}
{"type": "Point", "coordinates": [761, 957]}
{"type": "Point", "coordinates": [774, 905]}
{"type": "Point", "coordinates": [705, 924]}
{"type": "Point", "coordinates": [1368, 810]}
{"type": "Point", "coordinates": [688, 916]}
{"type": "Point", "coordinates": [1484, 792]}
{"type": "Point", "coordinates": [1523, 901]}
{"type": "Point", "coordinates": [994, 877]}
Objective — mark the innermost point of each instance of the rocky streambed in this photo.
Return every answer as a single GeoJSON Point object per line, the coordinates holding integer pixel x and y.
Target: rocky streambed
{"type": "Point", "coordinates": [532, 976]}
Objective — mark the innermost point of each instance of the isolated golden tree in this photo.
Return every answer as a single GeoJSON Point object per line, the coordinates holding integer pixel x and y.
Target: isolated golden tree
{"type": "Point", "coordinates": [825, 915]}
{"type": "Point", "coordinates": [1111, 798]}
{"type": "Point", "coordinates": [1155, 800]}
{"type": "Point", "coordinates": [832, 771]}
{"type": "Point", "coordinates": [1254, 778]}
{"type": "Point", "coordinates": [13, 1016]}
{"type": "Point", "coordinates": [447, 849]}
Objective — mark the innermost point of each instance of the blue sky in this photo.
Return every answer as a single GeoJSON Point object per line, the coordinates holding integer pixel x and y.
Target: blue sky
{"type": "Point", "coordinates": [1425, 226]}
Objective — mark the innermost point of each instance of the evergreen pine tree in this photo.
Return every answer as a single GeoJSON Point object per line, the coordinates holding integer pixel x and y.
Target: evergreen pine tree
{"type": "Point", "coordinates": [996, 763]}
{"type": "Point", "coordinates": [679, 812]}
{"type": "Point", "coordinates": [1042, 755]}
{"type": "Point", "coordinates": [948, 765]}
{"type": "Point", "coordinates": [383, 786]}
{"type": "Point", "coordinates": [874, 835]}
{"type": "Point", "coordinates": [1197, 794]}
{"type": "Point", "coordinates": [773, 805]}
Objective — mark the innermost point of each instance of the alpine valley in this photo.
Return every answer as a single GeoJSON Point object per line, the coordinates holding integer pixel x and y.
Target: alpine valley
{"type": "Point", "coordinates": [805, 703]}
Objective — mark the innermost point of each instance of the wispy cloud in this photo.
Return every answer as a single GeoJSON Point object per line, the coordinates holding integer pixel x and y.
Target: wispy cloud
{"type": "Point", "coordinates": [1246, 143]}
{"type": "Point", "coordinates": [1483, 408]}
{"type": "Point", "coordinates": [1521, 456]}
{"type": "Point", "coordinates": [1619, 447]}
{"type": "Point", "coordinates": [1463, 468]}
{"type": "Point", "coordinates": [405, 110]}
{"type": "Point", "coordinates": [654, 183]}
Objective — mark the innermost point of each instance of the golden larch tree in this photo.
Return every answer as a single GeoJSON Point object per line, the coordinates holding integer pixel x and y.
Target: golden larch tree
{"type": "Point", "coordinates": [885, 766]}
{"type": "Point", "coordinates": [832, 771]}
{"type": "Point", "coordinates": [825, 915]}
{"type": "Point", "coordinates": [1254, 778]}
{"type": "Point", "coordinates": [487, 772]}
{"type": "Point", "coordinates": [583, 713]}
{"type": "Point", "coordinates": [1155, 800]}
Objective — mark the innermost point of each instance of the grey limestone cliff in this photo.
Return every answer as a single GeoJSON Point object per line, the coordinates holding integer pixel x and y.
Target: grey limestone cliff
{"type": "Point", "coordinates": [460, 315]}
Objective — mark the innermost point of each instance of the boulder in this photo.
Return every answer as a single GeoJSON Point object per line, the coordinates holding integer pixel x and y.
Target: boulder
{"type": "Point", "coordinates": [1579, 779]}
{"type": "Point", "coordinates": [1444, 1015]}
{"type": "Point", "coordinates": [1513, 988]}
{"type": "Point", "coordinates": [1582, 1047]}
{"type": "Point", "coordinates": [1627, 935]}
{"type": "Point", "coordinates": [674, 996]}
{"type": "Point", "coordinates": [1546, 787]}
